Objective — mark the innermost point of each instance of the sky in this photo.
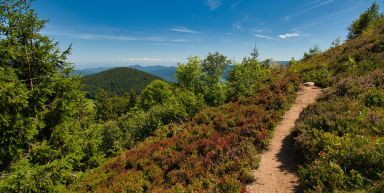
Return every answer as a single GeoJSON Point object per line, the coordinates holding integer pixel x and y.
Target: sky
{"type": "Point", "coordinates": [167, 32]}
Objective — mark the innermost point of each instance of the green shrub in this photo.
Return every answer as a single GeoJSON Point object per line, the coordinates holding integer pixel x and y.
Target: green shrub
{"type": "Point", "coordinates": [213, 152]}
{"type": "Point", "coordinates": [229, 185]}
{"type": "Point", "coordinates": [321, 77]}
{"type": "Point", "coordinates": [375, 98]}
{"type": "Point", "coordinates": [322, 177]}
{"type": "Point", "coordinates": [341, 138]}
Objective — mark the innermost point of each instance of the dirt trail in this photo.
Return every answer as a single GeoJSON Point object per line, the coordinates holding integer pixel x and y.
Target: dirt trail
{"type": "Point", "coordinates": [277, 170]}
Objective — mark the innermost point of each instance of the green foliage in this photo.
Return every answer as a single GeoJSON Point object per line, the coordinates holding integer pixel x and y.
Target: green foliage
{"type": "Point", "coordinates": [214, 89]}
{"type": "Point", "coordinates": [117, 81]}
{"type": "Point", "coordinates": [213, 152]}
{"type": "Point", "coordinates": [203, 78]}
{"type": "Point", "coordinates": [47, 133]}
{"type": "Point", "coordinates": [16, 129]}
{"type": "Point", "coordinates": [341, 137]}
{"type": "Point", "coordinates": [213, 65]}
{"type": "Point", "coordinates": [215, 94]}
{"type": "Point", "coordinates": [358, 56]}
{"type": "Point", "coordinates": [312, 52]}
{"type": "Point", "coordinates": [156, 93]}
{"type": "Point", "coordinates": [375, 97]}
{"type": "Point", "coordinates": [191, 102]}
{"type": "Point", "coordinates": [182, 137]}
{"type": "Point", "coordinates": [321, 77]}
{"type": "Point", "coordinates": [111, 107]}
{"type": "Point", "coordinates": [190, 75]}
{"type": "Point", "coordinates": [366, 19]}
{"type": "Point", "coordinates": [255, 53]}
{"type": "Point", "coordinates": [244, 78]}
{"type": "Point", "coordinates": [158, 105]}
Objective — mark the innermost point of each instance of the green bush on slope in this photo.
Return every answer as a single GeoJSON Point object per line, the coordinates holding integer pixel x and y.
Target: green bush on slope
{"type": "Point", "coordinates": [341, 138]}
{"type": "Point", "coordinates": [214, 152]}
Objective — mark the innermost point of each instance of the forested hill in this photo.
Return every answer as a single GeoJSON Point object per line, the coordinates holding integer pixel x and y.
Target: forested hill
{"type": "Point", "coordinates": [118, 81]}
{"type": "Point", "coordinates": [165, 72]}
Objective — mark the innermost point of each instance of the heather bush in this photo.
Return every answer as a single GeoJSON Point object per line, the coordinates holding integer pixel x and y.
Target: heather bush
{"type": "Point", "coordinates": [213, 152]}
{"type": "Point", "coordinates": [341, 138]}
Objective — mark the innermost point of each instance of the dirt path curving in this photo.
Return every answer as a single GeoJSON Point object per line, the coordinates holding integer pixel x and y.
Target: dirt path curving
{"type": "Point", "coordinates": [277, 171]}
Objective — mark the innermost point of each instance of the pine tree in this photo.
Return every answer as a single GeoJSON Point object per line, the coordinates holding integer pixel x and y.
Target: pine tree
{"type": "Point", "coordinates": [366, 19]}
{"type": "Point", "coordinates": [47, 134]}
{"type": "Point", "coordinates": [255, 53]}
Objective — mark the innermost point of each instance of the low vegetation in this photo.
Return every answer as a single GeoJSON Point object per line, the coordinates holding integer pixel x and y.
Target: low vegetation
{"type": "Point", "coordinates": [199, 134]}
{"type": "Point", "coordinates": [52, 135]}
{"type": "Point", "coordinates": [341, 138]}
{"type": "Point", "coordinates": [213, 152]}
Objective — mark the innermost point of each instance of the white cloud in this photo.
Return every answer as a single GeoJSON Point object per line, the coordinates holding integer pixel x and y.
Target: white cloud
{"type": "Point", "coordinates": [130, 59]}
{"type": "Point", "coordinates": [213, 4]}
{"type": "Point", "coordinates": [263, 36]}
{"type": "Point", "coordinates": [289, 35]}
{"type": "Point", "coordinates": [184, 30]}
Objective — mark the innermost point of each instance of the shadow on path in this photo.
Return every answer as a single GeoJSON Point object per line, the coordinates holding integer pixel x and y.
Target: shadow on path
{"type": "Point", "coordinates": [289, 162]}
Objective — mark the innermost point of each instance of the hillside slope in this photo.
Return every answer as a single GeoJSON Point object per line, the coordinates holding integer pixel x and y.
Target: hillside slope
{"type": "Point", "coordinates": [213, 152]}
{"type": "Point", "coordinates": [118, 81]}
{"type": "Point", "coordinates": [341, 138]}
{"type": "Point", "coordinates": [357, 56]}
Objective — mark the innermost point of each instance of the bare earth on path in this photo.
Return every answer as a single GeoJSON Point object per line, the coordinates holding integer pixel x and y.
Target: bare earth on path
{"type": "Point", "coordinates": [277, 168]}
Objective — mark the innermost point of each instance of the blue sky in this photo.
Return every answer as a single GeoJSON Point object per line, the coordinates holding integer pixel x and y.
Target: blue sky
{"type": "Point", "coordinates": [165, 32]}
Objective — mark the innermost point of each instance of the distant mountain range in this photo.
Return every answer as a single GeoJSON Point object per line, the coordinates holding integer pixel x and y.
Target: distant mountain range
{"type": "Point", "coordinates": [89, 71]}
{"type": "Point", "coordinates": [167, 73]}
{"type": "Point", "coordinates": [117, 81]}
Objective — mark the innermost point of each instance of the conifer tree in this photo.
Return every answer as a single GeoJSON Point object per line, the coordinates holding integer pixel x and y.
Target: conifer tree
{"type": "Point", "coordinates": [46, 131]}
{"type": "Point", "coordinates": [365, 19]}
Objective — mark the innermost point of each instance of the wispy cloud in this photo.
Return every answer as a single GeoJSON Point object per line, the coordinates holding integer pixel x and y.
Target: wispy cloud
{"type": "Point", "coordinates": [234, 5]}
{"type": "Point", "coordinates": [288, 35]}
{"type": "Point", "coordinates": [258, 30]}
{"type": "Point", "coordinates": [213, 4]}
{"type": "Point", "coordinates": [85, 36]}
{"type": "Point", "coordinates": [130, 59]}
{"type": "Point", "coordinates": [332, 17]}
{"type": "Point", "coordinates": [317, 4]}
{"type": "Point", "coordinates": [183, 30]}
{"type": "Point", "coordinates": [263, 36]}
{"type": "Point", "coordinates": [238, 25]}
